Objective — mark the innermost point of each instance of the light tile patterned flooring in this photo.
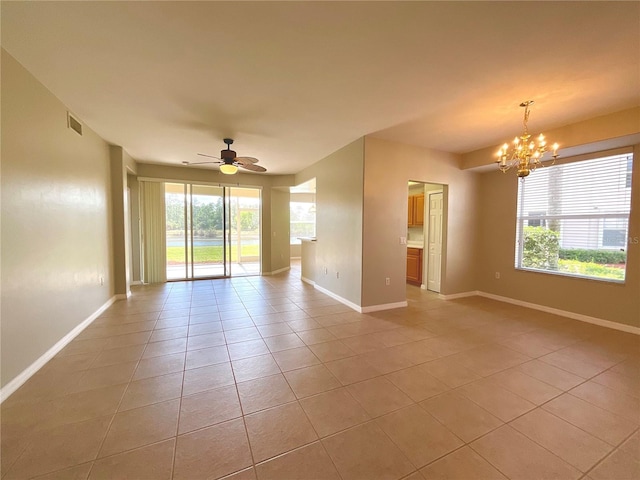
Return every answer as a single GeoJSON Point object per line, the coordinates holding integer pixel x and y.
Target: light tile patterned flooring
{"type": "Point", "coordinates": [267, 378]}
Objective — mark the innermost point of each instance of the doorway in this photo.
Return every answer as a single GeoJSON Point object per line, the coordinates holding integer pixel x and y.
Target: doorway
{"type": "Point", "coordinates": [211, 231]}
{"type": "Point", "coordinates": [426, 234]}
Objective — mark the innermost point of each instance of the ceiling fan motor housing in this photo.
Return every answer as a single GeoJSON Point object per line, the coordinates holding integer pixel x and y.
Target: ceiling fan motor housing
{"type": "Point", "coordinates": [227, 154]}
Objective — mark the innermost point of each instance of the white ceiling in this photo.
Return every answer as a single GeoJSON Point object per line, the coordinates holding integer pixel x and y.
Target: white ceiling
{"type": "Point", "coordinates": [292, 82]}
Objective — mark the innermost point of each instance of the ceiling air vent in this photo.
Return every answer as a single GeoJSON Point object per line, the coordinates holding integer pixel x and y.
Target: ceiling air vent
{"type": "Point", "coordinates": [74, 124]}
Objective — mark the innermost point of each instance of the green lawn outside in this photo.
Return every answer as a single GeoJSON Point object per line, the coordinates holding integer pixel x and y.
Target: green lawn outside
{"type": "Point", "coordinates": [208, 254]}
{"type": "Point", "coordinates": [591, 269]}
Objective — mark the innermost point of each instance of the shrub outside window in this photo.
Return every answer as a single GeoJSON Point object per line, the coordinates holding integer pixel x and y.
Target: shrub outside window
{"type": "Point", "coordinates": [573, 219]}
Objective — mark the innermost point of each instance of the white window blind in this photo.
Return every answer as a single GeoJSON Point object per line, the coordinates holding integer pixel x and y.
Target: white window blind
{"type": "Point", "coordinates": [573, 219]}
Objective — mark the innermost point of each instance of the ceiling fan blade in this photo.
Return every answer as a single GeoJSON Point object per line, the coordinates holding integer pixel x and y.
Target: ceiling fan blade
{"type": "Point", "coordinates": [200, 163]}
{"type": "Point", "coordinates": [246, 160]}
{"type": "Point", "coordinates": [252, 167]}
{"type": "Point", "coordinates": [210, 156]}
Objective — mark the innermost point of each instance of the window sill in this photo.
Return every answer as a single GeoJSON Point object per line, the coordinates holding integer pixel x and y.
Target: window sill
{"type": "Point", "coordinates": [570, 275]}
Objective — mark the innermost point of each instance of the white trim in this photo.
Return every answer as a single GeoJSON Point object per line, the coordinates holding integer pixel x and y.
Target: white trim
{"type": "Point", "coordinates": [275, 272]}
{"type": "Point", "coordinates": [357, 308]}
{"type": "Point", "coordinates": [576, 316]}
{"type": "Point", "coordinates": [383, 306]}
{"type": "Point", "coordinates": [454, 296]}
{"type": "Point", "coordinates": [28, 372]}
{"type": "Point", "coordinates": [344, 301]}
{"type": "Point", "coordinates": [307, 280]}
{"type": "Point", "coordinates": [137, 282]}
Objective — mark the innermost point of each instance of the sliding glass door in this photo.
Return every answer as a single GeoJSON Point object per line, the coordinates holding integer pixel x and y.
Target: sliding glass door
{"type": "Point", "coordinates": [211, 231]}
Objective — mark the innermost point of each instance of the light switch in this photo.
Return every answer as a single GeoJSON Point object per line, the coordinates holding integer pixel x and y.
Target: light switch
{"type": "Point", "coordinates": [403, 240]}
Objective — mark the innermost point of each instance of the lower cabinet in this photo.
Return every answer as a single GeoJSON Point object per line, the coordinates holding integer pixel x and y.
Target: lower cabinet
{"type": "Point", "coordinates": [414, 266]}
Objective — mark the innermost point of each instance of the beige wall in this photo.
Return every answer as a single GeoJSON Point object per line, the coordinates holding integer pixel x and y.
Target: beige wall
{"type": "Point", "coordinates": [604, 300]}
{"type": "Point", "coordinates": [295, 251]}
{"type": "Point", "coordinates": [280, 227]}
{"type": "Point", "coordinates": [388, 168]}
{"type": "Point", "coordinates": [119, 216]}
{"type": "Point", "coordinates": [56, 221]}
{"type": "Point", "coordinates": [339, 204]}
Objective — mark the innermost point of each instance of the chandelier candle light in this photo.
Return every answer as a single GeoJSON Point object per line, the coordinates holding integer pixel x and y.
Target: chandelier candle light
{"type": "Point", "coordinates": [526, 154]}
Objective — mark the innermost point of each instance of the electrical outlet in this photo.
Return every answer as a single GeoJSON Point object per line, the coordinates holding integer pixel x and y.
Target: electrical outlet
{"type": "Point", "coordinates": [387, 281]}
{"type": "Point", "coordinates": [497, 275]}
{"type": "Point", "coordinates": [403, 240]}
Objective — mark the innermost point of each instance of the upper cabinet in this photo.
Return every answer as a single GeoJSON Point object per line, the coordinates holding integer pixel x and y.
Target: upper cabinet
{"type": "Point", "coordinates": [416, 210]}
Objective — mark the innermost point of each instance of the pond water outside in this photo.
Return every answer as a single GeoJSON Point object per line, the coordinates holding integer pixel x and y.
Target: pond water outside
{"type": "Point", "coordinates": [178, 241]}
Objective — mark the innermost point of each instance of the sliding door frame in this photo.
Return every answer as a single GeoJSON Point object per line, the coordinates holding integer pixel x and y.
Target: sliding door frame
{"type": "Point", "coordinates": [226, 222]}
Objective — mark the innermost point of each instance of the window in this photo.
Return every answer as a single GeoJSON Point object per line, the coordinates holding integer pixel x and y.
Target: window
{"type": "Point", "coordinates": [303, 221]}
{"type": "Point", "coordinates": [573, 219]}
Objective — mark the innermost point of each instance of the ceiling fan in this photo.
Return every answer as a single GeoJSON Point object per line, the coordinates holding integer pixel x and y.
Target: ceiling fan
{"type": "Point", "coordinates": [228, 161]}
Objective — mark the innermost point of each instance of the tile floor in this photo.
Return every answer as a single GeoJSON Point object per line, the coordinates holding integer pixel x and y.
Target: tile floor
{"type": "Point", "coordinates": [266, 378]}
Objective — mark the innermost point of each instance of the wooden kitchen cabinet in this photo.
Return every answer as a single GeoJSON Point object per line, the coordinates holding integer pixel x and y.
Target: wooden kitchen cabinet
{"type": "Point", "coordinates": [416, 210]}
{"type": "Point", "coordinates": [414, 266]}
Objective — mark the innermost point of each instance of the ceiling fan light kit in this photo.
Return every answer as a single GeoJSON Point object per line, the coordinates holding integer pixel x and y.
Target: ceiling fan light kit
{"type": "Point", "coordinates": [228, 168]}
{"type": "Point", "coordinates": [229, 162]}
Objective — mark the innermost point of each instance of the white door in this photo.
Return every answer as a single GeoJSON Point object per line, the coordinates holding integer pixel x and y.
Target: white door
{"type": "Point", "coordinates": [434, 242]}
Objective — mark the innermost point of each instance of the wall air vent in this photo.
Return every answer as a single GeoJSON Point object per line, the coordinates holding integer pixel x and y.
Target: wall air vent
{"type": "Point", "coordinates": [74, 124]}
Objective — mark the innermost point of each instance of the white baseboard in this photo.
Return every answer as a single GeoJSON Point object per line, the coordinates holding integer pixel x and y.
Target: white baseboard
{"type": "Point", "coordinates": [306, 280]}
{"type": "Point", "coordinates": [137, 282]}
{"type": "Point", "coordinates": [383, 306]}
{"type": "Point", "coordinates": [28, 372]}
{"type": "Point", "coordinates": [453, 296]}
{"type": "Point", "coordinates": [275, 272]}
{"type": "Point", "coordinates": [358, 308]}
{"type": "Point", "coordinates": [344, 301]}
{"type": "Point", "coordinates": [564, 313]}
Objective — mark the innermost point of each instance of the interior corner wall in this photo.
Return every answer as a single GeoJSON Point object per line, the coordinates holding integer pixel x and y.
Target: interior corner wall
{"type": "Point", "coordinates": [610, 301]}
{"type": "Point", "coordinates": [134, 218]}
{"type": "Point", "coordinates": [388, 167]}
{"type": "Point", "coordinates": [119, 219]}
{"type": "Point", "coordinates": [339, 202]}
{"type": "Point", "coordinates": [56, 221]}
{"type": "Point", "coordinates": [280, 227]}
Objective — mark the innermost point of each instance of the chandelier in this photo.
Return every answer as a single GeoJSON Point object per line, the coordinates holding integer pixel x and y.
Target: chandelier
{"type": "Point", "coordinates": [525, 154]}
